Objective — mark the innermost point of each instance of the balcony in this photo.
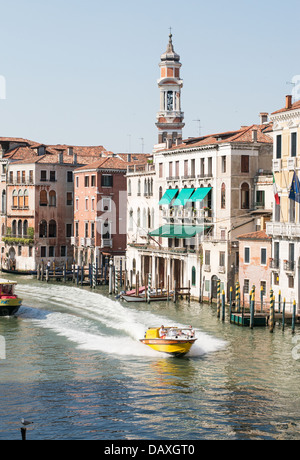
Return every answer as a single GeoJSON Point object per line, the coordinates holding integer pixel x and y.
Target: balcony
{"type": "Point", "coordinates": [74, 240]}
{"type": "Point", "coordinates": [90, 242]}
{"type": "Point", "coordinates": [280, 229]}
{"type": "Point", "coordinates": [222, 269]}
{"type": "Point", "coordinates": [289, 266]}
{"type": "Point", "coordinates": [106, 243]}
{"type": "Point", "coordinates": [274, 264]}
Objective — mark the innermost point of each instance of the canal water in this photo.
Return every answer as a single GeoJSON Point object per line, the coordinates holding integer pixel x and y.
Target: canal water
{"type": "Point", "coordinates": [75, 367]}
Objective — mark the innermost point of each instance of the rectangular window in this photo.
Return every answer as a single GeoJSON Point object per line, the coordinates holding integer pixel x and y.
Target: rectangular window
{"type": "Point", "coordinates": [161, 169]}
{"type": "Point", "coordinates": [186, 168]}
{"type": "Point", "coordinates": [30, 251]}
{"type": "Point", "coordinates": [31, 177]}
{"type": "Point", "coordinates": [11, 177]}
{"type": "Point", "coordinates": [207, 257]}
{"type": "Point", "coordinates": [260, 198]}
{"type": "Point", "coordinates": [77, 181]}
{"type": "Point", "coordinates": [86, 181]}
{"type": "Point", "coordinates": [92, 229]}
{"type": "Point", "coordinates": [294, 144]}
{"type": "Point", "coordinates": [23, 177]}
{"type": "Point", "coordinates": [224, 164]}
{"type": "Point", "coordinates": [291, 282]}
{"type": "Point", "coordinates": [222, 259]}
{"type": "Point", "coordinates": [76, 229]}
{"type": "Point", "coordinates": [247, 255]}
{"type": "Point", "coordinates": [245, 163]}
{"type": "Point", "coordinates": [52, 176]}
{"type": "Point", "coordinates": [177, 169]}
{"type": "Point", "coordinates": [170, 169]}
{"type": "Point", "coordinates": [69, 176]}
{"type": "Point", "coordinates": [278, 146]}
{"type": "Point", "coordinates": [246, 286]}
{"type": "Point", "coordinates": [86, 230]}
{"type": "Point", "coordinates": [86, 204]}
{"type": "Point", "coordinates": [43, 251]}
{"type": "Point", "coordinates": [18, 177]}
{"type": "Point", "coordinates": [263, 285]}
{"type": "Point", "coordinates": [43, 176]}
{"type": "Point", "coordinates": [77, 204]}
{"type": "Point", "coordinates": [207, 285]}
{"type": "Point", "coordinates": [69, 198]}
{"type": "Point", "coordinates": [263, 256]}
{"type": "Point", "coordinates": [51, 251]}
{"type": "Point", "coordinates": [106, 180]}
{"type": "Point", "coordinates": [93, 181]}
{"type": "Point", "coordinates": [63, 251]}
{"type": "Point", "coordinates": [68, 230]}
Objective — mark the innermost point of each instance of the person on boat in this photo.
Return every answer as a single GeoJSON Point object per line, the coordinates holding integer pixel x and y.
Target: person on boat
{"type": "Point", "coordinates": [162, 332]}
{"type": "Point", "coordinates": [191, 332]}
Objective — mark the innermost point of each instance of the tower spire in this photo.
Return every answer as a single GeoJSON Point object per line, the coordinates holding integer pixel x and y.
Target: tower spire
{"type": "Point", "coordinates": [170, 118]}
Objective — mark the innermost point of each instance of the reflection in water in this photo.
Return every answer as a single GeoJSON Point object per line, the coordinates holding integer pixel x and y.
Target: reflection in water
{"type": "Point", "coordinates": [75, 355]}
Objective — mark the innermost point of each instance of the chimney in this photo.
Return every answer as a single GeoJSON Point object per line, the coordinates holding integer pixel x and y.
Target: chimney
{"type": "Point", "coordinates": [288, 102]}
{"type": "Point", "coordinates": [75, 158]}
{"type": "Point", "coordinates": [129, 158]}
{"type": "Point", "coordinates": [60, 158]}
{"type": "Point", "coordinates": [264, 117]}
{"type": "Point", "coordinates": [70, 151]}
{"type": "Point", "coordinates": [254, 135]}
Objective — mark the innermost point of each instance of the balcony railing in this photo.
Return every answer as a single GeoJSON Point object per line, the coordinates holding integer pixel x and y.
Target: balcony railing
{"type": "Point", "coordinates": [106, 243]}
{"type": "Point", "coordinates": [274, 264]}
{"type": "Point", "coordinates": [283, 229]}
{"type": "Point", "coordinates": [289, 265]}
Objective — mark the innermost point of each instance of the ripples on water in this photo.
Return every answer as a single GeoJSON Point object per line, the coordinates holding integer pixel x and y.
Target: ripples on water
{"type": "Point", "coordinates": [75, 366]}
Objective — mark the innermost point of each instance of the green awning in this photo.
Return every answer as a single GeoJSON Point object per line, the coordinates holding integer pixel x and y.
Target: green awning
{"type": "Point", "coordinates": [199, 194]}
{"type": "Point", "coordinates": [168, 197]}
{"type": "Point", "coordinates": [183, 197]}
{"type": "Point", "coordinates": [178, 231]}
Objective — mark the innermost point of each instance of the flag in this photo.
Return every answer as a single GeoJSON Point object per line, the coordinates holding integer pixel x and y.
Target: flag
{"type": "Point", "coordinates": [277, 199]}
{"type": "Point", "coordinates": [295, 189]}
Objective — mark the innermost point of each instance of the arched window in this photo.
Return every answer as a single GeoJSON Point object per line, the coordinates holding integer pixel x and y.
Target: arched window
{"type": "Point", "coordinates": [245, 196]}
{"type": "Point", "coordinates": [15, 199]}
{"type": "Point", "coordinates": [25, 227]}
{"type": "Point", "coordinates": [223, 196]}
{"type": "Point", "coordinates": [151, 187]}
{"type": "Point", "coordinates": [20, 199]}
{"type": "Point", "coordinates": [144, 219]}
{"type": "Point", "coordinates": [193, 276]}
{"type": "Point", "coordinates": [14, 228]}
{"type": "Point", "coordinates": [139, 187]}
{"type": "Point", "coordinates": [130, 226]}
{"type": "Point", "coordinates": [20, 229]}
{"type": "Point", "coordinates": [43, 198]}
{"type": "Point", "coordinates": [160, 193]}
{"type": "Point", "coordinates": [138, 217]}
{"type": "Point", "coordinates": [43, 229]}
{"type": "Point", "coordinates": [26, 199]}
{"type": "Point", "coordinates": [52, 229]}
{"type": "Point", "coordinates": [145, 188]}
{"type": "Point", "coordinates": [52, 198]}
{"type": "Point", "coordinates": [152, 217]}
{"type": "Point", "coordinates": [149, 219]}
{"type": "Point", "coordinates": [129, 187]}
{"type": "Point", "coordinates": [3, 202]}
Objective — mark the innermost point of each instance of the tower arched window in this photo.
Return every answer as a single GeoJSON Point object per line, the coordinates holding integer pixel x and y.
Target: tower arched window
{"type": "Point", "coordinates": [52, 198]}
{"type": "Point", "coordinates": [43, 229]}
{"type": "Point", "coordinates": [15, 199]}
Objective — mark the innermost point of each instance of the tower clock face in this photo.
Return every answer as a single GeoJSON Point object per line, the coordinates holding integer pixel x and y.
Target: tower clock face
{"type": "Point", "coordinates": [170, 101]}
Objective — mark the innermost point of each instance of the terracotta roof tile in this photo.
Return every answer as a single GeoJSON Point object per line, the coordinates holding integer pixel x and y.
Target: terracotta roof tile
{"type": "Point", "coordinates": [260, 235]}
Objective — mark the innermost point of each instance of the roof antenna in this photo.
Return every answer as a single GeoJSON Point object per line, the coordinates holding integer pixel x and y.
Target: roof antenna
{"type": "Point", "coordinates": [199, 126]}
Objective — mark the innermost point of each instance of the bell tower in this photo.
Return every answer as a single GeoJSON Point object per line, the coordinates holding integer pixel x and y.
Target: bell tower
{"type": "Point", "coordinates": [170, 118]}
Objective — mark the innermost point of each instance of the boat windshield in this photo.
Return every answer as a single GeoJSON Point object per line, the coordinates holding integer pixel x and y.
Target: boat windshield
{"type": "Point", "coordinates": [6, 289]}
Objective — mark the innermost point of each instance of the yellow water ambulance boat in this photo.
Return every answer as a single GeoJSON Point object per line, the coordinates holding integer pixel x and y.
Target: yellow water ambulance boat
{"type": "Point", "coordinates": [172, 340]}
{"type": "Point", "coordinates": [9, 301]}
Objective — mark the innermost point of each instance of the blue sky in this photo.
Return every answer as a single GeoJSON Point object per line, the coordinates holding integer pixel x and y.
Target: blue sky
{"type": "Point", "coordinates": [85, 72]}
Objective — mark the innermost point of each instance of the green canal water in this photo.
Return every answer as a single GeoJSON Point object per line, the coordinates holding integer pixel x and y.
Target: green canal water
{"type": "Point", "coordinates": [73, 364]}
